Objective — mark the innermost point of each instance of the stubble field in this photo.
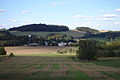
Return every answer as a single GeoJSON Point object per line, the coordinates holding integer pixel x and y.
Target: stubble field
{"type": "Point", "coordinates": [32, 64]}
{"type": "Point", "coordinates": [29, 50]}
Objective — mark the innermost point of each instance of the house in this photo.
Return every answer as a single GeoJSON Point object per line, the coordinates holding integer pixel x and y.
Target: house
{"type": "Point", "coordinates": [46, 43]}
{"type": "Point", "coordinates": [62, 44]}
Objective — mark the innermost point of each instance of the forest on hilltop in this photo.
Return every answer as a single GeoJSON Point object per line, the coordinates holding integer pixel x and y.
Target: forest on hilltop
{"type": "Point", "coordinates": [41, 27]}
{"type": "Point", "coordinates": [87, 29]}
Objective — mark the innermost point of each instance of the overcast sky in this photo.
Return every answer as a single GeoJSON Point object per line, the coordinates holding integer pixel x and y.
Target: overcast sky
{"type": "Point", "coordinates": [98, 14]}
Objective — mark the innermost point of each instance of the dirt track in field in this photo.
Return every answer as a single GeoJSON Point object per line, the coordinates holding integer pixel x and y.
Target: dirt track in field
{"type": "Point", "coordinates": [23, 50]}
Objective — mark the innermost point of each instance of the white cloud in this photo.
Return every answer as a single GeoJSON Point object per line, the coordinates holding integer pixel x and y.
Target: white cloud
{"type": "Point", "coordinates": [12, 20]}
{"type": "Point", "coordinates": [1, 25]}
{"type": "Point", "coordinates": [109, 16]}
{"type": "Point", "coordinates": [100, 17]}
{"type": "Point", "coordinates": [79, 16]}
{"type": "Point", "coordinates": [64, 2]}
{"type": "Point", "coordinates": [1, 10]}
{"type": "Point", "coordinates": [105, 11]}
{"type": "Point", "coordinates": [118, 10]}
{"type": "Point", "coordinates": [54, 3]}
{"type": "Point", "coordinates": [25, 11]}
{"type": "Point", "coordinates": [59, 3]}
{"type": "Point", "coordinates": [105, 18]}
{"type": "Point", "coordinates": [117, 23]}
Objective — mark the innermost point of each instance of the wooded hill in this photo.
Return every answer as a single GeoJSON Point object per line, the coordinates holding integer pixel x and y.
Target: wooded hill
{"type": "Point", "coordinates": [41, 27]}
{"type": "Point", "coordinates": [106, 35]}
{"type": "Point", "coordinates": [87, 29]}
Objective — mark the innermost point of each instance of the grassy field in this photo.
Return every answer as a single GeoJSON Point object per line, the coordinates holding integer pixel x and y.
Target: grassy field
{"type": "Point", "coordinates": [44, 34]}
{"type": "Point", "coordinates": [56, 67]}
{"type": "Point", "coordinates": [112, 62]}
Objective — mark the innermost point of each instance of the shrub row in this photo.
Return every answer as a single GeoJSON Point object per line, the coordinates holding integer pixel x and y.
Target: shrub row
{"type": "Point", "coordinates": [87, 50]}
{"type": "Point", "coordinates": [108, 53]}
{"type": "Point", "coordinates": [2, 51]}
{"type": "Point", "coordinates": [90, 49]}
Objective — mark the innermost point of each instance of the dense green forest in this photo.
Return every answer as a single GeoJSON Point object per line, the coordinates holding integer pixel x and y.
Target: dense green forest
{"type": "Point", "coordinates": [41, 27]}
{"type": "Point", "coordinates": [7, 39]}
{"type": "Point", "coordinates": [107, 35]}
{"type": "Point", "coordinates": [87, 29]}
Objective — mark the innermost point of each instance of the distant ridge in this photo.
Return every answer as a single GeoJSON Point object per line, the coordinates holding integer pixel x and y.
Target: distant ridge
{"type": "Point", "coordinates": [40, 27]}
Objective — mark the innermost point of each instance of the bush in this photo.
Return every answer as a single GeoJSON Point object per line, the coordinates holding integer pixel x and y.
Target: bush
{"type": "Point", "coordinates": [108, 53]}
{"type": "Point", "coordinates": [60, 52]}
{"type": "Point", "coordinates": [2, 51]}
{"type": "Point", "coordinates": [105, 53]}
{"type": "Point", "coordinates": [112, 45]}
{"type": "Point", "coordinates": [110, 49]}
{"type": "Point", "coordinates": [11, 55]}
{"type": "Point", "coordinates": [117, 53]}
{"type": "Point", "coordinates": [87, 50]}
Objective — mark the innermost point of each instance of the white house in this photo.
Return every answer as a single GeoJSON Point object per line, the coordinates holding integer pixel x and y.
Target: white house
{"type": "Point", "coordinates": [62, 44]}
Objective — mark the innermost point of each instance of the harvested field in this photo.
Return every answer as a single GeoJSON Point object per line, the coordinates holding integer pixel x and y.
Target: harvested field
{"type": "Point", "coordinates": [53, 67]}
{"type": "Point", "coordinates": [23, 50]}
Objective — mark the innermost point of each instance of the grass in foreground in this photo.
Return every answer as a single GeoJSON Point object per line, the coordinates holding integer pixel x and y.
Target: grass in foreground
{"type": "Point", "coordinates": [71, 75]}
{"type": "Point", "coordinates": [55, 66]}
{"type": "Point", "coordinates": [111, 62]}
{"type": "Point", "coordinates": [51, 67]}
{"type": "Point", "coordinates": [113, 75]}
{"type": "Point", "coordinates": [108, 61]}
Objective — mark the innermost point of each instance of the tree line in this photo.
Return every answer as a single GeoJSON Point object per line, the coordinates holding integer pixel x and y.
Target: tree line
{"type": "Point", "coordinates": [107, 35]}
{"type": "Point", "coordinates": [40, 27]}
{"type": "Point", "coordinates": [91, 50]}
{"type": "Point", "coordinates": [87, 29]}
{"type": "Point", "coordinates": [7, 39]}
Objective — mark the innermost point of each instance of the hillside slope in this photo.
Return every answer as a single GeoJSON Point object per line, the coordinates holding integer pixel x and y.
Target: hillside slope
{"type": "Point", "coordinates": [44, 34]}
{"type": "Point", "coordinates": [104, 35]}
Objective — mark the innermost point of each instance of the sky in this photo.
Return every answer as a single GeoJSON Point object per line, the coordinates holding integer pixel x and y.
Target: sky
{"type": "Point", "coordinates": [97, 14]}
